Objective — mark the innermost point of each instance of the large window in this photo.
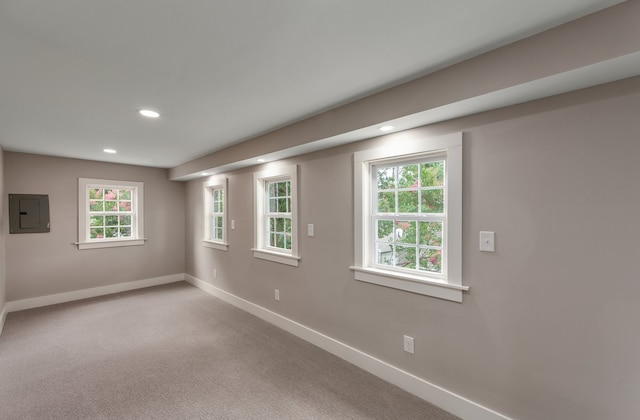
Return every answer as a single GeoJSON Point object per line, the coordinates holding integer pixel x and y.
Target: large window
{"type": "Point", "coordinates": [215, 209]}
{"type": "Point", "coordinates": [276, 215]}
{"type": "Point", "coordinates": [110, 213]}
{"type": "Point", "coordinates": [408, 213]}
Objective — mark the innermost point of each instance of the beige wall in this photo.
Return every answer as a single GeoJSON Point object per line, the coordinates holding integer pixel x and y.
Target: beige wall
{"type": "Point", "coordinates": [40, 264]}
{"type": "Point", "coordinates": [548, 330]}
{"type": "Point", "coordinates": [3, 223]}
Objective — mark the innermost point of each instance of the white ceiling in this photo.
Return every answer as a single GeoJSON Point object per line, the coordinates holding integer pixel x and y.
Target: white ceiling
{"type": "Point", "coordinates": [74, 72]}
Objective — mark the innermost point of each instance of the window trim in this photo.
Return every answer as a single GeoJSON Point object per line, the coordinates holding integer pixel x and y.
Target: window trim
{"type": "Point", "coordinates": [449, 288]}
{"type": "Point", "coordinates": [207, 189]}
{"type": "Point", "coordinates": [260, 179]}
{"type": "Point", "coordinates": [83, 213]}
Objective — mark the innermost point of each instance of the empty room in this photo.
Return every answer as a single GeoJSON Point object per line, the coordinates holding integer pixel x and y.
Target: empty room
{"type": "Point", "coordinates": [304, 209]}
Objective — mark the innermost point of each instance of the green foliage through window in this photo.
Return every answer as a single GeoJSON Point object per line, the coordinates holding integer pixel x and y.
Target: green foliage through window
{"type": "Point", "coordinates": [279, 209]}
{"type": "Point", "coordinates": [409, 215]}
{"type": "Point", "coordinates": [110, 213]}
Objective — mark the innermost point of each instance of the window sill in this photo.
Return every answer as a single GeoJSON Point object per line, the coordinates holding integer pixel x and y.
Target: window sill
{"type": "Point", "coordinates": [215, 245]}
{"type": "Point", "coordinates": [276, 257]}
{"type": "Point", "coordinates": [110, 244]}
{"type": "Point", "coordinates": [414, 284]}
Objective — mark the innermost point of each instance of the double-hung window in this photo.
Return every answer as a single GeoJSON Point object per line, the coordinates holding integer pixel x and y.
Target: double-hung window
{"type": "Point", "coordinates": [276, 215]}
{"type": "Point", "coordinates": [110, 213]}
{"type": "Point", "coordinates": [215, 221]}
{"type": "Point", "coordinates": [408, 213]}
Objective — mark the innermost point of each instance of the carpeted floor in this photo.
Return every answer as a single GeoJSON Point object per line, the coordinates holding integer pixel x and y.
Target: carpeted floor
{"type": "Point", "coordinates": [174, 352]}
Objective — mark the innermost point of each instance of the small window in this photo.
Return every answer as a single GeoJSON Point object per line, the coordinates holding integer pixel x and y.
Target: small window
{"type": "Point", "coordinates": [408, 217]}
{"type": "Point", "coordinates": [110, 213]}
{"type": "Point", "coordinates": [276, 215]}
{"type": "Point", "coordinates": [215, 210]}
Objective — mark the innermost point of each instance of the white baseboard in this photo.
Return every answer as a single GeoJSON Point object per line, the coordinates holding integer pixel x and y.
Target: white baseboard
{"type": "Point", "coordinates": [19, 305]}
{"type": "Point", "coordinates": [3, 317]}
{"type": "Point", "coordinates": [434, 394]}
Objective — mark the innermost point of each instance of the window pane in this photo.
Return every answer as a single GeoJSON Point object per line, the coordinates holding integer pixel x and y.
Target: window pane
{"type": "Point", "coordinates": [111, 221]}
{"type": "Point", "coordinates": [124, 205]}
{"type": "Point", "coordinates": [431, 233]}
{"type": "Point", "coordinates": [283, 206]}
{"type": "Point", "coordinates": [408, 176]}
{"type": "Point", "coordinates": [406, 256]}
{"type": "Point", "coordinates": [95, 206]}
{"type": "Point", "coordinates": [282, 189]}
{"type": "Point", "coordinates": [95, 193]}
{"type": "Point", "coordinates": [272, 189]}
{"type": "Point", "coordinates": [431, 260]}
{"type": "Point", "coordinates": [97, 221]}
{"type": "Point", "coordinates": [386, 178]}
{"type": "Point", "coordinates": [384, 254]}
{"type": "Point", "coordinates": [124, 194]}
{"type": "Point", "coordinates": [433, 201]}
{"type": "Point", "coordinates": [408, 201]}
{"type": "Point", "coordinates": [125, 232]}
{"type": "Point", "coordinates": [111, 206]}
{"type": "Point", "coordinates": [111, 232]}
{"type": "Point", "coordinates": [280, 241]}
{"type": "Point", "coordinates": [406, 232]}
{"type": "Point", "coordinates": [432, 174]}
{"type": "Point", "coordinates": [287, 225]}
{"type": "Point", "coordinates": [96, 233]}
{"type": "Point", "coordinates": [273, 205]}
{"type": "Point", "coordinates": [279, 225]}
{"type": "Point", "coordinates": [110, 194]}
{"type": "Point", "coordinates": [272, 240]}
{"type": "Point", "coordinates": [287, 242]}
{"type": "Point", "coordinates": [125, 220]}
{"type": "Point", "coordinates": [385, 229]}
{"type": "Point", "coordinates": [386, 202]}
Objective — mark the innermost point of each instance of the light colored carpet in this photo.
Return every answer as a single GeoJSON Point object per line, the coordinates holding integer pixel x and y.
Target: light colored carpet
{"type": "Point", "coordinates": [175, 352]}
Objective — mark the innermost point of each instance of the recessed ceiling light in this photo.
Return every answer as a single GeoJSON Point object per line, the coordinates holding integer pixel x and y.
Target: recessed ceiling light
{"type": "Point", "coordinates": [109, 151]}
{"type": "Point", "coordinates": [149, 113]}
{"type": "Point", "coordinates": [261, 160]}
{"type": "Point", "coordinates": [386, 128]}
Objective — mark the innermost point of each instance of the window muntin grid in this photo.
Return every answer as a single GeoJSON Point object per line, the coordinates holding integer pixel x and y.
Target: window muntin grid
{"type": "Point", "coordinates": [278, 215]}
{"type": "Point", "coordinates": [408, 219]}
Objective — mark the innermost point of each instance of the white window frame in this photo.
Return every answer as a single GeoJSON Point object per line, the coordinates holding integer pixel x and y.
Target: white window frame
{"type": "Point", "coordinates": [261, 249]}
{"type": "Point", "coordinates": [447, 285]}
{"type": "Point", "coordinates": [137, 230]}
{"type": "Point", "coordinates": [215, 183]}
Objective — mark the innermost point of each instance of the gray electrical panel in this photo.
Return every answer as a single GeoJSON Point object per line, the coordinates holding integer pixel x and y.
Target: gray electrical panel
{"type": "Point", "coordinates": [28, 213]}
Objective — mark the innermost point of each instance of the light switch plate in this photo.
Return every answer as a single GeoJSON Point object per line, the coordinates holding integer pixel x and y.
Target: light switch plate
{"type": "Point", "coordinates": [487, 241]}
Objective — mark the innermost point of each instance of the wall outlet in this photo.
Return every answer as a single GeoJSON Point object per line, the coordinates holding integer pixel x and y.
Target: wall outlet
{"type": "Point", "coordinates": [408, 344]}
{"type": "Point", "coordinates": [276, 294]}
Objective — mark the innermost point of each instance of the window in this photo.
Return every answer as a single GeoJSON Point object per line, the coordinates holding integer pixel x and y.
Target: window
{"type": "Point", "coordinates": [215, 207]}
{"type": "Point", "coordinates": [276, 215]}
{"type": "Point", "coordinates": [110, 213]}
{"type": "Point", "coordinates": [408, 216]}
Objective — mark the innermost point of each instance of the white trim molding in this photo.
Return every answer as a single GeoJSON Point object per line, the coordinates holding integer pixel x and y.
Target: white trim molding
{"type": "Point", "coordinates": [3, 317]}
{"type": "Point", "coordinates": [37, 302]}
{"type": "Point", "coordinates": [443, 398]}
{"type": "Point", "coordinates": [261, 249]}
{"type": "Point", "coordinates": [445, 285]}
